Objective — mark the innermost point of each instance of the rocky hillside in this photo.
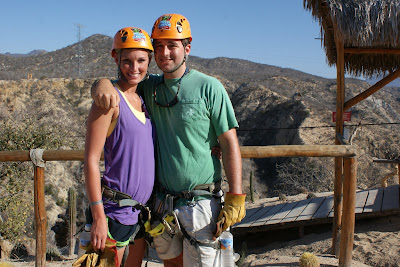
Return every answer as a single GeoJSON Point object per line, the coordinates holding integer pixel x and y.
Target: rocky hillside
{"type": "Point", "coordinates": [274, 106]}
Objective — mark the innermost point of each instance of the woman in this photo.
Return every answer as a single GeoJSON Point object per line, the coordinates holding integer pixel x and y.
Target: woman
{"type": "Point", "coordinates": [127, 137]}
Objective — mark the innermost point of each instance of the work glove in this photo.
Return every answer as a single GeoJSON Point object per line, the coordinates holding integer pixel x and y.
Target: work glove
{"type": "Point", "coordinates": [106, 258]}
{"type": "Point", "coordinates": [232, 212]}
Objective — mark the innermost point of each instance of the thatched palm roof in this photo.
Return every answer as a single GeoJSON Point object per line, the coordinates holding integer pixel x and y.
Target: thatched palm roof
{"type": "Point", "coordinates": [360, 24]}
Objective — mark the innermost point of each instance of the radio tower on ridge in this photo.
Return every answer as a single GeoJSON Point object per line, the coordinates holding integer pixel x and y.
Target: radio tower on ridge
{"type": "Point", "coordinates": [80, 54]}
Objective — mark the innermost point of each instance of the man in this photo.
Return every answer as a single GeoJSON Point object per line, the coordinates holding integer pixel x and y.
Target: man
{"type": "Point", "coordinates": [192, 113]}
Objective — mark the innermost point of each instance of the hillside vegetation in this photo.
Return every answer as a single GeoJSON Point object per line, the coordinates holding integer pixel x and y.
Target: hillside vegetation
{"type": "Point", "coordinates": [274, 106]}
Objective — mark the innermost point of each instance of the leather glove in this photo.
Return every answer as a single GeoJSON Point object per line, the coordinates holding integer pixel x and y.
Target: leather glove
{"type": "Point", "coordinates": [232, 212]}
{"type": "Point", "coordinates": [106, 258]}
{"type": "Point", "coordinates": [88, 259]}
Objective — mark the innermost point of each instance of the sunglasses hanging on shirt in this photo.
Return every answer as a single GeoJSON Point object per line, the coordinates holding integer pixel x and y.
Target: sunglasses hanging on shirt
{"type": "Point", "coordinates": [175, 99]}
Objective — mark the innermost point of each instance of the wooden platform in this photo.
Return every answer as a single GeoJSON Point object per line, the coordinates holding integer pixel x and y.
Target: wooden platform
{"type": "Point", "coordinates": [374, 202]}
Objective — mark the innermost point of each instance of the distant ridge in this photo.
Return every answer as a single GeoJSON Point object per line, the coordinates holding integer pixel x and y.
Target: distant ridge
{"type": "Point", "coordinates": [372, 81]}
{"type": "Point", "coordinates": [32, 53]}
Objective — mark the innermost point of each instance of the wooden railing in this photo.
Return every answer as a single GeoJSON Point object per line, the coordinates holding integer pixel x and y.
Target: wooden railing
{"type": "Point", "coordinates": [345, 218]}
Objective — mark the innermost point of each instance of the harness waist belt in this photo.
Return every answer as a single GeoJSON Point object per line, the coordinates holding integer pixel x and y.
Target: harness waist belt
{"type": "Point", "coordinates": [118, 197]}
{"type": "Point", "coordinates": [213, 188]}
{"type": "Point", "coordinates": [198, 190]}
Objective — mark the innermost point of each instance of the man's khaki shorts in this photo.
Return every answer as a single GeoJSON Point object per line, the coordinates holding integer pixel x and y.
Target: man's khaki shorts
{"type": "Point", "coordinates": [199, 220]}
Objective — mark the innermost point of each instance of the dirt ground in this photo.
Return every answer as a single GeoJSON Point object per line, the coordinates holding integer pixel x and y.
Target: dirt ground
{"type": "Point", "coordinates": [152, 261]}
{"type": "Point", "coordinates": [376, 243]}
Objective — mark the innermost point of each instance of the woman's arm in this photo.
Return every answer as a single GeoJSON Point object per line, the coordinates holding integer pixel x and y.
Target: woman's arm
{"type": "Point", "coordinates": [99, 120]}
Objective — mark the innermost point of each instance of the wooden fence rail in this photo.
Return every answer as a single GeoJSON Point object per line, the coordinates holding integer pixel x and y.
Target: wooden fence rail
{"type": "Point", "coordinates": [345, 152]}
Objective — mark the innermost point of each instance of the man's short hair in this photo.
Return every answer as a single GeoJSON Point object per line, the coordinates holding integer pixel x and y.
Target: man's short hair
{"type": "Point", "coordinates": [185, 42]}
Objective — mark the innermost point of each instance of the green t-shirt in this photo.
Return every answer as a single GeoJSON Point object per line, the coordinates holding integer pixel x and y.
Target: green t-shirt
{"type": "Point", "coordinates": [187, 131]}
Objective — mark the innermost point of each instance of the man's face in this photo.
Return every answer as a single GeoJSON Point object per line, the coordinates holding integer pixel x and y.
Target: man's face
{"type": "Point", "coordinates": [169, 54]}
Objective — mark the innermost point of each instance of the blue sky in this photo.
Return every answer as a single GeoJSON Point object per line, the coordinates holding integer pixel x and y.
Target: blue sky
{"type": "Point", "coordinates": [279, 33]}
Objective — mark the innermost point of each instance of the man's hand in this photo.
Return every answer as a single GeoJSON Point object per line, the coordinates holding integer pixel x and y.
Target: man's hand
{"type": "Point", "coordinates": [216, 151]}
{"type": "Point", "coordinates": [232, 212]}
{"type": "Point", "coordinates": [104, 94]}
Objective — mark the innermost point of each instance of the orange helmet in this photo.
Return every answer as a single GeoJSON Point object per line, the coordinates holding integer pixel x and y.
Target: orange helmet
{"type": "Point", "coordinates": [131, 37]}
{"type": "Point", "coordinates": [171, 26]}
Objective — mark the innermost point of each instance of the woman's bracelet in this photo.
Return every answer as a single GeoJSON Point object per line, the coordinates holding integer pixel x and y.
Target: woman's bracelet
{"type": "Point", "coordinates": [95, 203]}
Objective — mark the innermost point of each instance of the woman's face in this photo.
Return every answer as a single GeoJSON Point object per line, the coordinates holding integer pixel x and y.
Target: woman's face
{"type": "Point", "coordinates": [133, 64]}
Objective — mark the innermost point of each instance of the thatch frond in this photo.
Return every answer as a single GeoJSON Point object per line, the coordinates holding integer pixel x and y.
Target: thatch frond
{"type": "Point", "coordinates": [360, 24]}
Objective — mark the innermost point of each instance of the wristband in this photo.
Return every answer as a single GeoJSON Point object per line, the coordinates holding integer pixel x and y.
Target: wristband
{"type": "Point", "coordinates": [95, 203]}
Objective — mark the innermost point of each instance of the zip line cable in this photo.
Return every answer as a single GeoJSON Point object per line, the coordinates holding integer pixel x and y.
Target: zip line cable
{"type": "Point", "coordinates": [316, 127]}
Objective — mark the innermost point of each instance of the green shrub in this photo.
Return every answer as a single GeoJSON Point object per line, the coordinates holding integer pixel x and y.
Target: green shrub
{"type": "Point", "coordinates": [16, 186]}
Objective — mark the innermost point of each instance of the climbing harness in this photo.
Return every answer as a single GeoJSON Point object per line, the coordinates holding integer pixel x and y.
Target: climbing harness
{"type": "Point", "coordinates": [118, 197]}
{"type": "Point", "coordinates": [168, 220]}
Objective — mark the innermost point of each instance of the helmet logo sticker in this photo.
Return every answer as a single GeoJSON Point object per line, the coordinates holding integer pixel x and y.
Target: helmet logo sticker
{"type": "Point", "coordinates": [165, 23]}
{"type": "Point", "coordinates": [138, 35]}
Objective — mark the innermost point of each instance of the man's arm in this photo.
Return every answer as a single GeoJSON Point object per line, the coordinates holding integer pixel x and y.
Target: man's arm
{"type": "Point", "coordinates": [234, 209]}
{"type": "Point", "coordinates": [232, 160]}
{"type": "Point", "coordinates": [104, 94]}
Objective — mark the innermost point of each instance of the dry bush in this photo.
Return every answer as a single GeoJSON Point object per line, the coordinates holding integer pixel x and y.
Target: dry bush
{"type": "Point", "coordinates": [309, 173]}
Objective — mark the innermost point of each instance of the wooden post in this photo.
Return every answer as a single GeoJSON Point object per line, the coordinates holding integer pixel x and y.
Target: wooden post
{"type": "Point", "coordinates": [340, 93]}
{"type": "Point", "coordinates": [72, 220]}
{"type": "Point", "coordinates": [337, 205]}
{"type": "Point", "coordinates": [339, 130]}
{"type": "Point", "coordinates": [40, 216]}
{"type": "Point", "coordinates": [349, 203]}
{"type": "Point", "coordinates": [398, 172]}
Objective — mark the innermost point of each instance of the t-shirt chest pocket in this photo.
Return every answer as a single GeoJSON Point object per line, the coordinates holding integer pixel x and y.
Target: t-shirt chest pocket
{"type": "Point", "coordinates": [193, 110]}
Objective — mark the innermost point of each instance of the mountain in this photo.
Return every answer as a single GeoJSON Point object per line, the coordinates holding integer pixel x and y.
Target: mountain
{"type": "Point", "coordinates": [63, 63]}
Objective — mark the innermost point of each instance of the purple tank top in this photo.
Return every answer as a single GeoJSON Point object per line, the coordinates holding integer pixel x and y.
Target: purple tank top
{"type": "Point", "coordinates": [129, 162]}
